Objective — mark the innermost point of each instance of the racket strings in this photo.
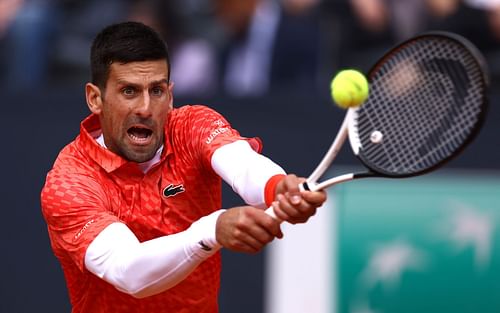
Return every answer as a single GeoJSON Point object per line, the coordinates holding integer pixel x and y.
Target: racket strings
{"type": "Point", "coordinates": [425, 100]}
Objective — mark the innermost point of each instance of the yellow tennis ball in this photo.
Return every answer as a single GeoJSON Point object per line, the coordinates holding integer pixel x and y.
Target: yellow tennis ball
{"type": "Point", "coordinates": [349, 88]}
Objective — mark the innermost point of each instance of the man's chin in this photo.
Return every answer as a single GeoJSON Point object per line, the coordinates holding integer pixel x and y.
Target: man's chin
{"type": "Point", "coordinates": [139, 155]}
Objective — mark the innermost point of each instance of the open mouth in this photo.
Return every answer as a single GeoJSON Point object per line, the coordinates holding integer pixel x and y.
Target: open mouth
{"type": "Point", "coordinates": [140, 134]}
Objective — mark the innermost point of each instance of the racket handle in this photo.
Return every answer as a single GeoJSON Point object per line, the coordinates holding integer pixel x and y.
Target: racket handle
{"type": "Point", "coordinates": [270, 211]}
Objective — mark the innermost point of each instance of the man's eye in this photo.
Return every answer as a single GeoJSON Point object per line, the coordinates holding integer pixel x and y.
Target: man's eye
{"type": "Point", "coordinates": [157, 91]}
{"type": "Point", "coordinates": [128, 91]}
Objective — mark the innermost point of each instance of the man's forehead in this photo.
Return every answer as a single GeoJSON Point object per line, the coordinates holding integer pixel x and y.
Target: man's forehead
{"type": "Point", "coordinates": [139, 72]}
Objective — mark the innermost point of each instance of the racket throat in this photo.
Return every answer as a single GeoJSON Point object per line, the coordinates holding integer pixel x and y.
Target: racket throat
{"type": "Point", "coordinates": [313, 186]}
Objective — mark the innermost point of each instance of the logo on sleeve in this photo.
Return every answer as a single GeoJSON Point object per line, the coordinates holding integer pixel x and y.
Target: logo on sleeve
{"type": "Point", "coordinates": [221, 128]}
{"type": "Point", "coordinates": [83, 229]}
{"type": "Point", "coordinates": [171, 190]}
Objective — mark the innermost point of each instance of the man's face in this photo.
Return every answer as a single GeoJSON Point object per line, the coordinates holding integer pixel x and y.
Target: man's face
{"type": "Point", "coordinates": [133, 108]}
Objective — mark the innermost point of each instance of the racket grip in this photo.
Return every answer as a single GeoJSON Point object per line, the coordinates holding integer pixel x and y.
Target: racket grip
{"type": "Point", "coordinates": [270, 211]}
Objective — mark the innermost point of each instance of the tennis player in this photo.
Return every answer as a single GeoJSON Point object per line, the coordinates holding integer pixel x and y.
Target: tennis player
{"type": "Point", "coordinates": [133, 204]}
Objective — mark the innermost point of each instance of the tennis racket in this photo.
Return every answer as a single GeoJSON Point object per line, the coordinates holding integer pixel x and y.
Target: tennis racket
{"type": "Point", "coordinates": [428, 100]}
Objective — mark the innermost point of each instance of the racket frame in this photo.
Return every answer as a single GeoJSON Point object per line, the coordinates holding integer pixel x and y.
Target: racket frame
{"type": "Point", "coordinates": [348, 128]}
{"type": "Point", "coordinates": [480, 63]}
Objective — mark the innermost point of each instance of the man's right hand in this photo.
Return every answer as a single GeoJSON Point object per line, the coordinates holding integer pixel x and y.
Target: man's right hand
{"type": "Point", "coordinates": [246, 229]}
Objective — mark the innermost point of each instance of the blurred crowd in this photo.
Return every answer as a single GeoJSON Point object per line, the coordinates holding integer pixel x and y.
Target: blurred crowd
{"type": "Point", "coordinates": [242, 48]}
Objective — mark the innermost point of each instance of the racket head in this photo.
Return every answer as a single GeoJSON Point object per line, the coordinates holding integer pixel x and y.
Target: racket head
{"type": "Point", "coordinates": [427, 102]}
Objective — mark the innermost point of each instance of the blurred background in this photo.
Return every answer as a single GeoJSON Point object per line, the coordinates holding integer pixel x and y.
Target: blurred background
{"type": "Point", "coordinates": [266, 65]}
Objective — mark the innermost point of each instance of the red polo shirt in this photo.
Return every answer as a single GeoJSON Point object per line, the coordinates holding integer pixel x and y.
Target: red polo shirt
{"type": "Point", "coordinates": [90, 187]}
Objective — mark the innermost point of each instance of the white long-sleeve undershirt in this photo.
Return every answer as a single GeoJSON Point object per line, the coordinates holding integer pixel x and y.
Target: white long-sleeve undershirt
{"type": "Point", "coordinates": [245, 170]}
{"type": "Point", "coordinates": [151, 267]}
{"type": "Point", "coordinates": [147, 268]}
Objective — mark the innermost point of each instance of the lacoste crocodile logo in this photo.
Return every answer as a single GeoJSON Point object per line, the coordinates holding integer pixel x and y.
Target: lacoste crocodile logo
{"type": "Point", "coordinates": [171, 190]}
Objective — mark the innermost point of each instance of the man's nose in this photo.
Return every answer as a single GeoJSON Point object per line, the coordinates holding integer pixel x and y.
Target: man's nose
{"type": "Point", "coordinates": [143, 108]}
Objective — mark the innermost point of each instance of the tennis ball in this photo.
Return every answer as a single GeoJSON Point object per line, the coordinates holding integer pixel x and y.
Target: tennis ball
{"type": "Point", "coordinates": [349, 89]}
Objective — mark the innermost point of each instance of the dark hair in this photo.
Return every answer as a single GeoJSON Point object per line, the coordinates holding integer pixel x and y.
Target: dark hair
{"type": "Point", "coordinates": [125, 42]}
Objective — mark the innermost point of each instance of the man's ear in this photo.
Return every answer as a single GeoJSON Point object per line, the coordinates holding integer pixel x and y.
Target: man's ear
{"type": "Point", "coordinates": [171, 95]}
{"type": "Point", "coordinates": [94, 98]}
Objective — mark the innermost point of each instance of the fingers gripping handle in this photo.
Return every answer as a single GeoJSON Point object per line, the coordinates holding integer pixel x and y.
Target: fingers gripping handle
{"type": "Point", "coordinates": [270, 211]}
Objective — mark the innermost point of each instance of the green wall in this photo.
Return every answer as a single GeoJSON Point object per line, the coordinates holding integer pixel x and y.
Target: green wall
{"type": "Point", "coordinates": [427, 244]}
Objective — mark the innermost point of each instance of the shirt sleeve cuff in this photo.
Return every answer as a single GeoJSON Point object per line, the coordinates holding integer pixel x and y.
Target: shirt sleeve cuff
{"type": "Point", "coordinates": [205, 230]}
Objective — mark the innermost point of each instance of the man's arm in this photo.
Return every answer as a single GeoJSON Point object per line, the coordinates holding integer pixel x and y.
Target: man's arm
{"type": "Point", "coordinates": [262, 183]}
{"type": "Point", "coordinates": [247, 172]}
{"type": "Point", "coordinates": [148, 268]}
